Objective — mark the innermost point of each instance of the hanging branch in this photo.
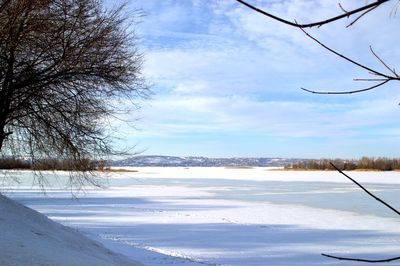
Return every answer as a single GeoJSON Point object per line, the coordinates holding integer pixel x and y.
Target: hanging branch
{"type": "Point", "coordinates": [366, 9]}
{"type": "Point", "coordinates": [366, 190]}
{"type": "Point", "coordinates": [380, 201]}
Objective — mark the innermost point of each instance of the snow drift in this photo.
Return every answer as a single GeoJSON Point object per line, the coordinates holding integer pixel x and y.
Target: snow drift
{"type": "Point", "coordinates": [30, 238]}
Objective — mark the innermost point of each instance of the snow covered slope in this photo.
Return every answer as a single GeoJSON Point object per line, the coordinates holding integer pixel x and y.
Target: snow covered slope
{"type": "Point", "coordinates": [30, 238]}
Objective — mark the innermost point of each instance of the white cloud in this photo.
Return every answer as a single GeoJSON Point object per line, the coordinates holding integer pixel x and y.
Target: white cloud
{"type": "Point", "coordinates": [188, 115]}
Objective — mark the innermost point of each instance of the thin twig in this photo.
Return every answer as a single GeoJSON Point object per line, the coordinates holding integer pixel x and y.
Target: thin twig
{"type": "Point", "coordinates": [365, 79]}
{"type": "Point", "coordinates": [360, 16]}
{"type": "Point", "coordinates": [314, 24]}
{"type": "Point", "coordinates": [344, 10]}
{"type": "Point", "coordinates": [383, 62]}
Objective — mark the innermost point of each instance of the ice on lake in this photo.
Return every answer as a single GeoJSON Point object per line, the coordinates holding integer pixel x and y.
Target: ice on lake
{"type": "Point", "coordinates": [218, 216]}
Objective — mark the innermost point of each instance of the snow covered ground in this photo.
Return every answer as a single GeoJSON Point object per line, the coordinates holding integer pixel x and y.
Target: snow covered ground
{"type": "Point", "coordinates": [218, 216]}
{"type": "Point", "coordinates": [29, 238]}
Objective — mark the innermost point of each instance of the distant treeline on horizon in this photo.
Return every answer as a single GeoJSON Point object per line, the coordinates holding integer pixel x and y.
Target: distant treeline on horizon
{"type": "Point", "coordinates": [50, 164]}
{"type": "Point", "coordinates": [365, 163]}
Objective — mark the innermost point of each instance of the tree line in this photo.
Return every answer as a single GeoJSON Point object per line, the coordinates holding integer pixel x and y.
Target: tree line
{"type": "Point", "coordinates": [365, 163]}
{"type": "Point", "coordinates": [50, 165]}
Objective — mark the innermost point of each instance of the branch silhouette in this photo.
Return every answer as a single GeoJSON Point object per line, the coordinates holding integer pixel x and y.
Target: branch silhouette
{"type": "Point", "coordinates": [361, 260]}
{"type": "Point", "coordinates": [387, 205]}
{"type": "Point", "coordinates": [361, 12]}
{"type": "Point", "coordinates": [365, 8]}
{"type": "Point", "coordinates": [384, 78]}
{"type": "Point", "coordinates": [366, 190]}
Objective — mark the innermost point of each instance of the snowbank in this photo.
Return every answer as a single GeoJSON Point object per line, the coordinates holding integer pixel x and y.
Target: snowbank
{"type": "Point", "coordinates": [30, 238]}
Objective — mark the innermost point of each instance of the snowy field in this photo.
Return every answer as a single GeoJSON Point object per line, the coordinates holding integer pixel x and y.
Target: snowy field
{"type": "Point", "coordinates": [218, 216]}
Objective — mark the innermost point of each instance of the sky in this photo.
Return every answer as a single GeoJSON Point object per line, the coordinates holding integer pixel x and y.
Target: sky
{"type": "Point", "coordinates": [226, 81]}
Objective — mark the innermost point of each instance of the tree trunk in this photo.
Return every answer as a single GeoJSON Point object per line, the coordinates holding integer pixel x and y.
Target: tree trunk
{"type": "Point", "coordinates": [2, 138]}
{"type": "Point", "coordinates": [3, 134]}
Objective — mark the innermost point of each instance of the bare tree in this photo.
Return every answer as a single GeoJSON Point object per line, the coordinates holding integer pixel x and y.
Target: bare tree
{"type": "Point", "coordinates": [64, 65]}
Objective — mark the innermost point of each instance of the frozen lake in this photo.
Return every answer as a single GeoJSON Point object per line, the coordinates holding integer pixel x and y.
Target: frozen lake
{"type": "Point", "coordinates": [218, 216]}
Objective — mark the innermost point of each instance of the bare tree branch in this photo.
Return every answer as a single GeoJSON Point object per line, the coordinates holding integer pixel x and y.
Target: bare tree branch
{"type": "Point", "coordinates": [345, 57]}
{"type": "Point", "coordinates": [348, 92]}
{"type": "Point", "coordinates": [383, 63]}
{"type": "Point", "coordinates": [341, 7]}
{"type": "Point", "coordinates": [318, 23]}
{"type": "Point", "coordinates": [360, 16]}
{"type": "Point", "coordinates": [361, 260]}
{"type": "Point", "coordinates": [385, 77]}
{"type": "Point", "coordinates": [368, 79]}
{"type": "Point", "coordinates": [380, 201]}
{"type": "Point", "coordinates": [366, 190]}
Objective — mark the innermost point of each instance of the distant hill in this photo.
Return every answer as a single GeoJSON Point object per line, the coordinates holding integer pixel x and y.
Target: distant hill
{"type": "Point", "coordinates": [155, 160]}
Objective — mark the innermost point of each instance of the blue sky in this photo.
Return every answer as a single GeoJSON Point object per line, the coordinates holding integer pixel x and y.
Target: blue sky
{"type": "Point", "coordinates": [226, 81]}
